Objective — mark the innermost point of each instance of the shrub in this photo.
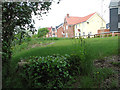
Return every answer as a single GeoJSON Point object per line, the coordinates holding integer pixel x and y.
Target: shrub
{"type": "Point", "coordinates": [52, 38]}
{"type": "Point", "coordinates": [98, 36]}
{"type": "Point", "coordinates": [46, 72]}
{"type": "Point", "coordinates": [110, 35]}
{"type": "Point", "coordinates": [35, 36]}
{"type": "Point", "coordinates": [42, 32]}
{"type": "Point", "coordinates": [116, 35]}
{"type": "Point", "coordinates": [28, 39]}
{"type": "Point", "coordinates": [75, 64]}
{"type": "Point", "coordinates": [105, 35]}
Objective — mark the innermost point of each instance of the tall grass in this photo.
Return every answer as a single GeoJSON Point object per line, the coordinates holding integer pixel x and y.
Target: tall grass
{"type": "Point", "coordinates": [94, 48]}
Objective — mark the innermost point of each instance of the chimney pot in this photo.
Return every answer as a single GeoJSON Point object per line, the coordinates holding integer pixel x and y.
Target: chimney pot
{"type": "Point", "coordinates": [67, 15]}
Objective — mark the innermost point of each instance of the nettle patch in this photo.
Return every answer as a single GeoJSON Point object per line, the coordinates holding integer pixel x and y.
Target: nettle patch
{"type": "Point", "coordinates": [51, 71]}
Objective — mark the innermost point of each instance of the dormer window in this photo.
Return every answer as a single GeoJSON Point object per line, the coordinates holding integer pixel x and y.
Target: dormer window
{"type": "Point", "coordinates": [87, 22]}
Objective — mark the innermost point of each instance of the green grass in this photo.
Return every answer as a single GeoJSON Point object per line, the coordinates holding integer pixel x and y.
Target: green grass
{"type": "Point", "coordinates": [95, 48]}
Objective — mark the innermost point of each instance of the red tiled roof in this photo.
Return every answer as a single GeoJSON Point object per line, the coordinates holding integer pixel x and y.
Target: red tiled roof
{"type": "Point", "coordinates": [74, 20]}
{"type": "Point", "coordinates": [49, 28]}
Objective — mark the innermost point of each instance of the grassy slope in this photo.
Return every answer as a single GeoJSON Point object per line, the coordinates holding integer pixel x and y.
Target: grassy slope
{"type": "Point", "coordinates": [95, 47]}
{"type": "Point", "coordinates": [100, 47]}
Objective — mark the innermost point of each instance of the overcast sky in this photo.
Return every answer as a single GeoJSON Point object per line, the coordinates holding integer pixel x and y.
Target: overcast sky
{"type": "Point", "coordinates": [78, 8]}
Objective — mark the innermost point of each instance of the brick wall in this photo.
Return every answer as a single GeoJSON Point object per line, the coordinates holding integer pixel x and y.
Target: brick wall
{"type": "Point", "coordinates": [69, 31]}
{"type": "Point", "coordinates": [105, 30]}
{"type": "Point", "coordinates": [59, 32]}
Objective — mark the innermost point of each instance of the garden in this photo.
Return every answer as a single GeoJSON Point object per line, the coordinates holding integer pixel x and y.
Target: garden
{"type": "Point", "coordinates": [33, 61]}
{"type": "Point", "coordinates": [64, 63]}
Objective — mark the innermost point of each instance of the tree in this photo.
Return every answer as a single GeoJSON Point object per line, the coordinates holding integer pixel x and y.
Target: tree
{"type": "Point", "coordinates": [42, 32]}
{"type": "Point", "coordinates": [17, 14]}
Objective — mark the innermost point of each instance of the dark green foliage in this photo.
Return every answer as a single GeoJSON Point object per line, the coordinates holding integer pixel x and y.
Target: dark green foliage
{"type": "Point", "coordinates": [105, 35]}
{"type": "Point", "coordinates": [46, 72]}
{"type": "Point", "coordinates": [27, 39]}
{"type": "Point", "coordinates": [100, 74]}
{"type": "Point", "coordinates": [35, 36]}
{"type": "Point", "coordinates": [54, 38]}
{"type": "Point", "coordinates": [17, 14]}
{"type": "Point", "coordinates": [86, 82]}
{"type": "Point", "coordinates": [52, 71]}
{"type": "Point", "coordinates": [42, 32]}
{"type": "Point", "coordinates": [116, 34]}
{"type": "Point", "coordinates": [98, 36]}
{"type": "Point", "coordinates": [110, 35]}
{"type": "Point", "coordinates": [75, 64]}
{"type": "Point", "coordinates": [116, 64]}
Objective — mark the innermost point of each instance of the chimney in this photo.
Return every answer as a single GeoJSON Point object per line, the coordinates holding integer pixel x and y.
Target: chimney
{"type": "Point", "coordinates": [68, 15]}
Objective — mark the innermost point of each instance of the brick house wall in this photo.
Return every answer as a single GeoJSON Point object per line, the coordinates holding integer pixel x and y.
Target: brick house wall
{"type": "Point", "coordinates": [59, 32]}
{"type": "Point", "coordinates": [105, 30]}
{"type": "Point", "coordinates": [49, 34]}
{"type": "Point", "coordinates": [68, 29]}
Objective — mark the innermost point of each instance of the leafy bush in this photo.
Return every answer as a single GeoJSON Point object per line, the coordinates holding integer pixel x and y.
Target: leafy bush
{"type": "Point", "coordinates": [105, 35]}
{"type": "Point", "coordinates": [46, 72]}
{"type": "Point", "coordinates": [27, 39]}
{"type": "Point", "coordinates": [98, 36]}
{"type": "Point", "coordinates": [116, 34]}
{"type": "Point", "coordinates": [110, 35]}
{"type": "Point", "coordinates": [35, 36]}
{"type": "Point", "coordinates": [19, 48]}
{"type": "Point", "coordinates": [52, 38]}
{"type": "Point", "coordinates": [75, 64]}
{"type": "Point", "coordinates": [42, 32]}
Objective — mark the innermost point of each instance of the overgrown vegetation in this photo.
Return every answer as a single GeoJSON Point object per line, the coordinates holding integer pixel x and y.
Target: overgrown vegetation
{"type": "Point", "coordinates": [17, 14]}
{"type": "Point", "coordinates": [71, 57]}
{"type": "Point", "coordinates": [42, 32]}
{"type": "Point", "coordinates": [46, 72]}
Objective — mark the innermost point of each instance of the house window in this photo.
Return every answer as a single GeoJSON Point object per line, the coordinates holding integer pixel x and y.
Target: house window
{"type": "Point", "coordinates": [119, 10]}
{"type": "Point", "coordinates": [79, 25]}
{"type": "Point", "coordinates": [66, 27]}
{"type": "Point", "coordinates": [119, 25]}
{"type": "Point", "coordinates": [69, 25]}
{"type": "Point", "coordinates": [66, 35]}
{"type": "Point", "coordinates": [90, 33]}
{"type": "Point", "coordinates": [83, 33]}
{"type": "Point", "coordinates": [53, 29]}
{"type": "Point", "coordinates": [87, 22]}
{"type": "Point", "coordinates": [76, 34]}
{"type": "Point", "coordinates": [79, 34]}
{"type": "Point", "coordinates": [76, 26]}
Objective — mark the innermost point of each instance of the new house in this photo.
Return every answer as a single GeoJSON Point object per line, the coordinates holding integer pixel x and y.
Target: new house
{"type": "Point", "coordinates": [52, 32]}
{"type": "Point", "coordinates": [81, 26]}
{"type": "Point", "coordinates": [89, 25]}
{"type": "Point", "coordinates": [49, 34]}
{"type": "Point", "coordinates": [60, 32]}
